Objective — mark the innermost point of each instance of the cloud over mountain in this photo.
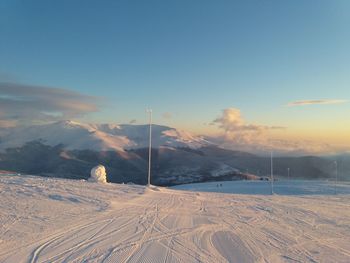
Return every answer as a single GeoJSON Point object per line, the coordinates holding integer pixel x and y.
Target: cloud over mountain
{"type": "Point", "coordinates": [237, 130]}
{"type": "Point", "coordinates": [239, 135]}
{"type": "Point", "coordinates": [20, 103]}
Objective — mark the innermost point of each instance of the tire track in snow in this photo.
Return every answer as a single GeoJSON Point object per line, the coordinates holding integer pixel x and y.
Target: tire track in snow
{"type": "Point", "coordinates": [37, 251]}
{"type": "Point", "coordinates": [146, 234]}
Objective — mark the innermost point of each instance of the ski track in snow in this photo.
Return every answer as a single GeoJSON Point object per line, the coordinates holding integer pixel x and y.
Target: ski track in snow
{"type": "Point", "coordinates": [56, 220]}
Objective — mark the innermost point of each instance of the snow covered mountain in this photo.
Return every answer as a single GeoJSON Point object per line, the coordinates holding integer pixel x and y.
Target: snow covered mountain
{"type": "Point", "coordinates": [99, 137]}
{"type": "Point", "coordinates": [70, 149]}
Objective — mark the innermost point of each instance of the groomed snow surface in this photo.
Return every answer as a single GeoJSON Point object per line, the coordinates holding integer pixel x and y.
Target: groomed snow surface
{"type": "Point", "coordinates": [57, 220]}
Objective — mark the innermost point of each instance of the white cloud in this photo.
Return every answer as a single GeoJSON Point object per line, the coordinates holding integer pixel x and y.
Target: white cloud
{"type": "Point", "coordinates": [28, 104]}
{"type": "Point", "coordinates": [242, 136]}
{"type": "Point", "coordinates": [315, 102]}
{"type": "Point", "coordinates": [237, 130]}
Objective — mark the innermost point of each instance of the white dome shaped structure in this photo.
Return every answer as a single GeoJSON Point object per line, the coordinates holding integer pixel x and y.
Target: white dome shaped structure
{"type": "Point", "coordinates": [98, 174]}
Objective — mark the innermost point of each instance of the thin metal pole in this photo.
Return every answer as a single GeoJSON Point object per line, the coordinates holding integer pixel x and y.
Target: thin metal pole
{"type": "Point", "coordinates": [149, 111]}
{"type": "Point", "coordinates": [336, 177]}
{"type": "Point", "coordinates": [272, 192]}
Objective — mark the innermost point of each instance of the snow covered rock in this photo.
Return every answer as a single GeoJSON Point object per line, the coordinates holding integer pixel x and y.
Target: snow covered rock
{"type": "Point", "coordinates": [98, 174]}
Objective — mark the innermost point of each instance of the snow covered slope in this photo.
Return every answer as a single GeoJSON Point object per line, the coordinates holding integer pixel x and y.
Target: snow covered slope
{"type": "Point", "coordinates": [98, 137]}
{"type": "Point", "coordinates": [57, 220]}
{"type": "Point", "coordinates": [282, 187]}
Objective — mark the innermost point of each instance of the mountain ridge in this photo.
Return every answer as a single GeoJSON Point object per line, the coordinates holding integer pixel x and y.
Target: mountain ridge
{"type": "Point", "coordinates": [100, 137]}
{"type": "Point", "coordinates": [70, 149]}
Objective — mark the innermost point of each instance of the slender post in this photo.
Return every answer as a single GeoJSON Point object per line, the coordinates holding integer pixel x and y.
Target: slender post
{"type": "Point", "coordinates": [288, 169]}
{"type": "Point", "coordinates": [149, 111]}
{"type": "Point", "coordinates": [336, 177]}
{"type": "Point", "coordinates": [272, 192]}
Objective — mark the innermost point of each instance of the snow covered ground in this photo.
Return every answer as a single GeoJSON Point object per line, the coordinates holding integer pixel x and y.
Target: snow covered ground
{"type": "Point", "coordinates": [286, 187]}
{"type": "Point", "coordinates": [57, 220]}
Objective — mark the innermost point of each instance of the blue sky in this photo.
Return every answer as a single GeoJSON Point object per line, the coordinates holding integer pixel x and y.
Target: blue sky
{"type": "Point", "coordinates": [190, 59]}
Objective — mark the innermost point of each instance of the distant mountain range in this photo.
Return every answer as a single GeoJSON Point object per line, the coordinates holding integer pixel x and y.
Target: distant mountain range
{"type": "Point", "coordinates": [70, 149]}
{"type": "Point", "coordinates": [99, 137]}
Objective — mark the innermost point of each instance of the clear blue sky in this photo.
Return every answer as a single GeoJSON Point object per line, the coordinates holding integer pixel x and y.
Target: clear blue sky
{"type": "Point", "coordinates": [191, 58]}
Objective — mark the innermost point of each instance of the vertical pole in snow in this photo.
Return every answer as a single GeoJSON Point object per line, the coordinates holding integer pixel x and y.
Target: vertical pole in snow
{"type": "Point", "coordinates": [336, 177]}
{"type": "Point", "coordinates": [272, 173]}
{"type": "Point", "coordinates": [149, 111]}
